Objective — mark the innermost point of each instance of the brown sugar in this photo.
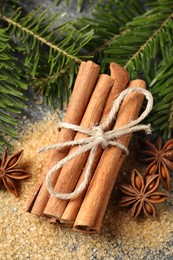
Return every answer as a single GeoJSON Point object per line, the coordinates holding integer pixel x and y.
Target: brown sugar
{"type": "Point", "coordinates": [25, 236]}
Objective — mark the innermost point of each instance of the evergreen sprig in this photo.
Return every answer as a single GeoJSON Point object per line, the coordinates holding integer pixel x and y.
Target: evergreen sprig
{"type": "Point", "coordinates": [161, 86]}
{"type": "Point", "coordinates": [143, 47]}
{"type": "Point", "coordinates": [52, 54]}
{"type": "Point", "coordinates": [108, 17]}
{"type": "Point", "coordinates": [50, 58]}
{"type": "Point", "coordinates": [140, 39]}
{"type": "Point", "coordinates": [11, 88]}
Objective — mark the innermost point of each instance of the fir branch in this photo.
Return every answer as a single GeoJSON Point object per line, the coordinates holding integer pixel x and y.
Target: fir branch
{"type": "Point", "coordinates": [136, 36]}
{"type": "Point", "coordinates": [11, 90]}
{"type": "Point", "coordinates": [65, 78]}
{"type": "Point", "coordinates": [161, 87]}
{"type": "Point", "coordinates": [144, 47]}
{"type": "Point", "coordinates": [150, 39]}
{"type": "Point", "coordinates": [42, 40]}
{"type": "Point", "coordinates": [48, 50]}
{"type": "Point", "coordinates": [108, 17]}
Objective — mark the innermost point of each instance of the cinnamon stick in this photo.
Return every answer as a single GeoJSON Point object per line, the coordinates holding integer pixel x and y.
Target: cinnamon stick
{"type": "Point", "coordinates": [121, 78]}
{"type": "Point", "coordinates": [71, 171]}
{"type": "Point", "coordinates": [83, 88]}
{"type": "Point", "coordinates": [92, 210]}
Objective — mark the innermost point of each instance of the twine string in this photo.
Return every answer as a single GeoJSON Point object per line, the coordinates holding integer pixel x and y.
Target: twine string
{"type": "Point", "coordinates": [97, 135]}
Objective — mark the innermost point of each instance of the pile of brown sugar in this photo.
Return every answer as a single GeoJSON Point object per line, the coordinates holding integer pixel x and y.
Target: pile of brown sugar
{"type": "Point", "coordinates": [25, 236]}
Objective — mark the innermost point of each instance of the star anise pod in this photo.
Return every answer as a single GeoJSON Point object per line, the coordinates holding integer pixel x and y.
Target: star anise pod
{"type": "Point", "coordinates": [160, 158]}
{"type": "Point", "coordinates": [9, 173]}
{"type": "Point", "coordinates": [142, 194]}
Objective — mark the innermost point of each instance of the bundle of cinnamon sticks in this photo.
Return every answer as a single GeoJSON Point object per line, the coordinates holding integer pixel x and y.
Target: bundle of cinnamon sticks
{"type": "Point", "coordinates": [90, 103]}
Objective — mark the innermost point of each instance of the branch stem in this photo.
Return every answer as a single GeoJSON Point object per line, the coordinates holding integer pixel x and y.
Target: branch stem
{"type": "Point", "coordinates": [149, 40]}
{"type": "Point", "coordinates": [39, 38]}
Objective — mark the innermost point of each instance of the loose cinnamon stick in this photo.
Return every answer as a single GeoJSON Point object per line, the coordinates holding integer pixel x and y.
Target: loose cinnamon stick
{"type": "Point", "coordinates": [83, 88]}
{"type": "Point", "coordinates": [71, 171]}
{"type": "Point", "coordinates": [121, 79]}
{"type": "Point", "coordinates": [91, 213]}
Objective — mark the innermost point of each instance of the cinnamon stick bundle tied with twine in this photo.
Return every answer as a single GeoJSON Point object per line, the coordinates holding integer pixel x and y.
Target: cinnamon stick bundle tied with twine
{"type": "Point", "coordinates": [71, 171]}
{"type": "Point", "coordinates": [121, 80]}
{"type": "Point", "coordinates": [85, 82]}
{"type": "Point", "coordinates": [90, 215]}
{"type": "Point", "coordinates": [75, 182]}
{"type": "Point", "coordinates": [97, 137]}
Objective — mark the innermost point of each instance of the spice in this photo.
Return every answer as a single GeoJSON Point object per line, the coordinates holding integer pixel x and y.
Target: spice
{"type": "Point", "coordinates": [160, 157]}
{"type": "Point", "coordinates": [93, 208]}
{"type": "Point", "coordinates": [72, 170]}
{"type": "Point", "coordinates": [121, 79]}
{"type": "Point", "coordinates": [142, 194]}
{"type": "Point", "coordinates": [83, 88]}
{"type": "Point", "coordinates": [9, 174]}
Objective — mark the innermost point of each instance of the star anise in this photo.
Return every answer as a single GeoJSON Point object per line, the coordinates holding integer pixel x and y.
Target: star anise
{"type": "Point", "coordinates": [160, 158]}
{"type": "Point", "coordinates": [9, 173]}
{"type": "Point", "coordinates": [142, 194]}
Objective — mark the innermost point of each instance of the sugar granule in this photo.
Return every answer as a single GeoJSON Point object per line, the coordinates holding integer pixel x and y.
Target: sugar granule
{"type": "Point", "coordinates": [25, 236]}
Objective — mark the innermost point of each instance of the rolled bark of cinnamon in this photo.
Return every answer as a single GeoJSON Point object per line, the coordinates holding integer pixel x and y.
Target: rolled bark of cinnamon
{"type": "Point", "coordinates": [121, 79]}
{"type": "Point", "coordinates": [71, 171]}
{"type": "Point", "coordinates": [83, 88]}
{"type": "Point", "coordinates": [92, 210]}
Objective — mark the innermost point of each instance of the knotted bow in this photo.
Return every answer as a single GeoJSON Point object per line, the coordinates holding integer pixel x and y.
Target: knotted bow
{"type": "Point", "coordinates": [97, 135]}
